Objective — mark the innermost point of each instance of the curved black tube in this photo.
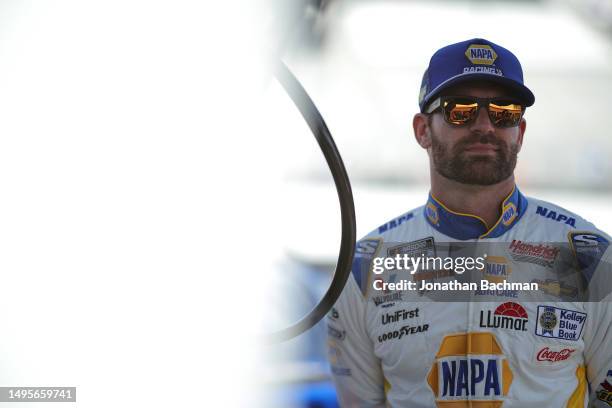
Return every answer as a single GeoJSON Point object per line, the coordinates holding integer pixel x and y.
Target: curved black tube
{"type": "Point", "coordinates": [347, 208]}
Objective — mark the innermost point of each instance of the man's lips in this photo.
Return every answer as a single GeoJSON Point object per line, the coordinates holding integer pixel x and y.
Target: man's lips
{"type": "Point", "coordinates": [481, 148]}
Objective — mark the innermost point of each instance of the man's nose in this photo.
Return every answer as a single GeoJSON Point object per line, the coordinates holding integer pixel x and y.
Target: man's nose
{"type": "Point", "coordinates": [482, 122]}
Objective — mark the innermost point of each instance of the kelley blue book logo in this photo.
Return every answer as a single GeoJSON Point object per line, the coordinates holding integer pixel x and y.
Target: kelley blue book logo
{"type": "Point", "coordinates": [558, 323]}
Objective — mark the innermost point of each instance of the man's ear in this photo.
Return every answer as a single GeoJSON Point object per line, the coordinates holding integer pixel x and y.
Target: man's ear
{"type": "Point", "coordinates": [422, 133]}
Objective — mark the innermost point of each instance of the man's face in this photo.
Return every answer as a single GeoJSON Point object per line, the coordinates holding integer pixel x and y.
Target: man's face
{"type": "Point", "coordinates": [477, 153]}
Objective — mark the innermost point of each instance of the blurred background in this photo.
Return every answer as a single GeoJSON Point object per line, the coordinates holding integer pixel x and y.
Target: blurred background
{"type": "Point", "coordinates": [362, 62]}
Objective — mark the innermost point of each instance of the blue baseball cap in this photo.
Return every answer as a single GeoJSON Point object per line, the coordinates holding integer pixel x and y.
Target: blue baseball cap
{"type": "Point", "coordinates": [473, 60]}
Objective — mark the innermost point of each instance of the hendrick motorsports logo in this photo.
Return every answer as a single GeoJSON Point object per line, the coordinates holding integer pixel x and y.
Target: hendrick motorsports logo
{"type": "Point", "coordinates": [540, 254]}
{"type": "Point", "coordinates": [470, 367]}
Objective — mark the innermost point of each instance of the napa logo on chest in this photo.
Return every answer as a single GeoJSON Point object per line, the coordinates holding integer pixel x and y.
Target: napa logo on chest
{"type": "Point", "coordinates": [470, 370]}
{"type": "Point", "coordinates": [497, 269]}
{"type": "Point", "coordinates": [480, 54]}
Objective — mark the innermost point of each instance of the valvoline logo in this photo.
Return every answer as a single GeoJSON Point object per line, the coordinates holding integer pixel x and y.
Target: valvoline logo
{"type": "Point", "coordinates": [470, 370]}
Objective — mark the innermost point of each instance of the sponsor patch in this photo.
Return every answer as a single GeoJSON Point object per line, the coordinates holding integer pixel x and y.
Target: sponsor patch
{"type": "Point", "coordinates": [553, 215]}
{"type": "Point", "coordinates": [335, 333]}
{"type": "Point", "coordinates": [394, 223]}
{"type": "Point", "coordinates": [333, 352]}
{"type": "Point", "coordinates": [365, 251]}
{"type": "Point", "coordinates": [432, 213]}
{"type": "Point", "coordinates": [508, 316]}
{"type": "Point", "coordinates": [399, 315]}
{"type": "Point", "coordinates": [553, 355]}
{"type": "Point", "coordinates": [557, 323]}
{"type": "Point", "coordinates": [540, 254]}
{"type": "Point", "coordinates": [367, 246]}
{"type": "Point", "coordinates": [500, 293]}
{"type": "Point", "coordinates": [422, 247]}
{"type": "Point", "coordinates": [509, 214]}
{"type": "Point", "coordinates": [406, 330]}
{"type": "Point", "coordinates": [333, 314]}
{"type": "Point", "coordinates": [497, 269]}
{"type": "Point", "coordinates": [556, 288]}
{"type": "Point", "coordinates": [387, 300]}
{"type": "Point", "coordinates": [605, 392]}
{"type": "Point", "coordinates": [481, 54]}
{"type": "Point", "coordinates": [588, 249]}
{"type": "Point", "coordinates": [341, 370]}
{"type": "Point", "coordinates": [470, 367]}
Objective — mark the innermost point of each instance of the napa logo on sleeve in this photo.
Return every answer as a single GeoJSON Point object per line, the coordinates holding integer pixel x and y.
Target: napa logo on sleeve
{"type": "Point", "coordinates": [481, 54]}
{"type": "Point", "coordinates": [470, 370]}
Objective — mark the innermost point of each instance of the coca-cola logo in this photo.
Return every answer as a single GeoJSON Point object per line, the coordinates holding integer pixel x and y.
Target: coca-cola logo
{"type": "Point", "coordinates": [546, 354]}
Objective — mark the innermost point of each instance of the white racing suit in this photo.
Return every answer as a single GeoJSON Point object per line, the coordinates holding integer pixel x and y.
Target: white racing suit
{"type": "Point", "coordinates": [500, 348]}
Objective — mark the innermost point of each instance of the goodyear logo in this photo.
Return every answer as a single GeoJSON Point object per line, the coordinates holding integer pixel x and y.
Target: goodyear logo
{"type": "Point", "coordinates": [481, 54]}
{"type": "Point", "coordinates": [497, 269]}
{"type": "Point", "coordinates": [470, 371]}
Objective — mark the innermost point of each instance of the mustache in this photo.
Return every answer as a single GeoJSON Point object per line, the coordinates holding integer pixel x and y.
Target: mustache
{"type": "Point", "coordinates": [484, 138]}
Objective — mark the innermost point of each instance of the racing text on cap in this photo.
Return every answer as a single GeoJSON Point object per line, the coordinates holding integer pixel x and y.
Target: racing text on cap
{"type": "Point", "coordinates": [481, 54]}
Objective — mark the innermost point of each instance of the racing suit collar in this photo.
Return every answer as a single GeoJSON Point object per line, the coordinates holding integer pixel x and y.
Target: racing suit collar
{"type": "Point", "coordinates": [467, 226]}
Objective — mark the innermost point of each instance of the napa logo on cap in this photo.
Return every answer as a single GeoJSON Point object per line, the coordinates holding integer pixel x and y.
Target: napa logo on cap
{"type": "Point", "coordinates": [479, 54]}
{"type": "Point", "coordinates": [470, 370]}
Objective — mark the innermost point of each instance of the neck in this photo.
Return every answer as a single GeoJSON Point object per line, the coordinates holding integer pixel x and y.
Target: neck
{"type": "Point", "coordinates": [482, 201]}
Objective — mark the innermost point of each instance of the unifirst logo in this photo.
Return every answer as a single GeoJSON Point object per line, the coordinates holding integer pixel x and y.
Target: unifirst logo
{"type": "Point", "coordinates": [481, 54]}
{"type": "Point", "coordinates": [470, 370]}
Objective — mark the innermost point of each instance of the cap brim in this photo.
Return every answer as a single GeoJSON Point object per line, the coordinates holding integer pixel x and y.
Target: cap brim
{"type": "Point", "coordinates": [519, 90]}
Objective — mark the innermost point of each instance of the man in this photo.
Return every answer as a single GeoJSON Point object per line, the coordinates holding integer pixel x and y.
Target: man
{"type": "Point", "coordinates": [547, 344]}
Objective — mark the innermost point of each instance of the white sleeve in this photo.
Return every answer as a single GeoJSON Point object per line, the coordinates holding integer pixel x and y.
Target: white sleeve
{"type": "Point", "coordinates": [355, 368]}
{"type": "Point", "coordinates": [598, 328]}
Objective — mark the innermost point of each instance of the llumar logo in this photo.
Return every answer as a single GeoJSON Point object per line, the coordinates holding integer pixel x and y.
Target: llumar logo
{"type": "Point", "coordinates": [481, 54]}
{"type": "Point", "coordinates": [470, 370]}
{"type": "Point", "coordinates": [509, 315]}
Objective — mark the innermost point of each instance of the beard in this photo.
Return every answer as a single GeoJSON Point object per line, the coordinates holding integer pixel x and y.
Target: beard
{"type": "Point", "coordinates": [456, 164]}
